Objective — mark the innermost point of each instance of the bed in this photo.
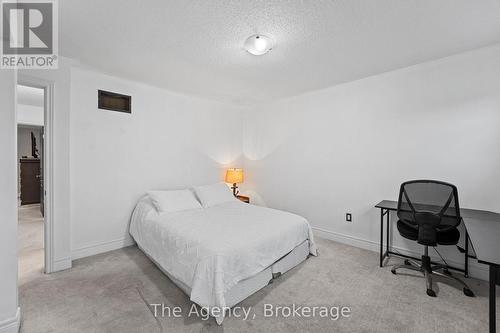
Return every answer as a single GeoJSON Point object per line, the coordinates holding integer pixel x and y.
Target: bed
{"type": "Point", "coordinates": [222, 254]}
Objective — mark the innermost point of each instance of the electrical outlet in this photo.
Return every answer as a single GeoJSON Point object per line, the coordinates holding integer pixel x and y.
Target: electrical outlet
{"type": "Point", "coordinates": [348, 217]}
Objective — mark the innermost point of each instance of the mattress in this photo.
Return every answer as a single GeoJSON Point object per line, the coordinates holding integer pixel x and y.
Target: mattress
{"type": "Point", "coordinates": [211, 250]}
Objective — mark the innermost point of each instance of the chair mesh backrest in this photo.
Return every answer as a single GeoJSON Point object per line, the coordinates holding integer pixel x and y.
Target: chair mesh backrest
{"type": "Point", "coordinates": [432, 196]}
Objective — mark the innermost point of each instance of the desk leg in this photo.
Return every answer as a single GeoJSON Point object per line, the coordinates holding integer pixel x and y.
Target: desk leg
{"type": "Point", "coordinates": [466, 264]}
{"type": "Point", "coordinates": [387, 226]}
{"type": "Point", "coordinates": [493, 282]}
{"type": "Point", "coordinates": [381, 236]}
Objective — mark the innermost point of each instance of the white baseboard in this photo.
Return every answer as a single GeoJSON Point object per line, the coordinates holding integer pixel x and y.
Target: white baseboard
{"type": "Point", "coordinates": [346, 239]}
{"type": "Point", "coordinates": [476, 270]}
{"type": "Point", "coordinates": [91, 250]}
{"type": "Point", "coordinates": [11, 325]}
{"type": "Point", "coordinates": [61, 264]}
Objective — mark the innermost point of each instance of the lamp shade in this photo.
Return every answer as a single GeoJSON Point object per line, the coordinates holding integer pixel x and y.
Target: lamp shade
{"type": "Point", "coordinates": [234, 176]}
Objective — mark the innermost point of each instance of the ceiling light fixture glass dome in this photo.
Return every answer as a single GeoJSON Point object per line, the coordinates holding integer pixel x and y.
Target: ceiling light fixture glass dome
{"type": "Point", "coordinates": [258, 44]}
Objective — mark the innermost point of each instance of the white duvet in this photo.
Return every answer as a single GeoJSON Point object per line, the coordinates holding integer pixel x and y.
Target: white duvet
{"type": "Point", "coordinates": [212, 249]}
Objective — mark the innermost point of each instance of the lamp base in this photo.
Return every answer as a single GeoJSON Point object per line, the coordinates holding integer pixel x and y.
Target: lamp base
{"type": "Point", "coordinates": [235, 189]}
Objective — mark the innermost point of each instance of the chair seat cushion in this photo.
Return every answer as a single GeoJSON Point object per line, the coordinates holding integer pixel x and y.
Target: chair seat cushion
{"type": "Point", "coordinates": [448, 237]}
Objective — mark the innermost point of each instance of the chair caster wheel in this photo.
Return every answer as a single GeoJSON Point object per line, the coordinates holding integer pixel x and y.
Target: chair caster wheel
{"type": "Point", "coordinates": [407, 262]}
{"type": "Point", "coordinates": [447, 272]}
{"type": "Point", "coordinates": [468, 292]}
{"type": "Point", "coordinates": [431, 293]}
{"type": "Point", "coordinates": [393, 271]}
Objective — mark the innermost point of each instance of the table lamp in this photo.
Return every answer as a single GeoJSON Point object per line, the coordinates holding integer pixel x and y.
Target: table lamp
{"type": "Point", "coordinates": [234, 176]}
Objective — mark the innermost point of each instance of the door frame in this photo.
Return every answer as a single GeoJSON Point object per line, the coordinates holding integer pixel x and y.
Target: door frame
{"type": "Point", "coordinates": [48, 169]}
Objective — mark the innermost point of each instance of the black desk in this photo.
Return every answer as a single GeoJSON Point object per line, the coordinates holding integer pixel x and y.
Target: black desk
{"type": "Point", "coordinates": [386, 206]}
{"type": "Point", "coordinates": [482, 229]}
{"type": "Point", "coordinates": [484, 232]}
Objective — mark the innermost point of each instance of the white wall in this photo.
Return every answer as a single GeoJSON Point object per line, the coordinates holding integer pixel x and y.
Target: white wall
{"type": "Point", "coordinates": [345, 148]}
{"type": "Point", "coordinates": [30, 114]}
{"type": "Point", "coordinates": [169, 141]}
{"type": "Point", "coordinates": [9, 314]}
{"type": "Point", "coordinates": [24, 140]}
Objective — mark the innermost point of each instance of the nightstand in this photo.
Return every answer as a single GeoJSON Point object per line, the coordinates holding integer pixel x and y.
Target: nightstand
{"type": "Point", "coordinates": [243, 198]}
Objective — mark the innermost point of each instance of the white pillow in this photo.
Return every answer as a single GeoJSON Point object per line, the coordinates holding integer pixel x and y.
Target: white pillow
{"type": "Point", "coordinates": [173, 201]}
{"type": "Point", "coordinates": [212, 195]}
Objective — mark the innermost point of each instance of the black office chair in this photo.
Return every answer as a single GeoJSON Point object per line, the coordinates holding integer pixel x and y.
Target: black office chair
{"type": "Point", "coordinates": [429, 213]}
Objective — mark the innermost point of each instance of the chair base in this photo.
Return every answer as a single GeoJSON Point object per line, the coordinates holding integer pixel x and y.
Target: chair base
{"type": "Point", "coordinates": [429, 271]}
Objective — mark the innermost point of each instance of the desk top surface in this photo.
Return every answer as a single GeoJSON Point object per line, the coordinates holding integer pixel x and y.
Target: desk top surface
{"type": "Point", "coordinates": [485, 238]}
{"type": "Point", "coordinates": [464, 212]}
{"type": "Point", "coordinates": [483, 228]}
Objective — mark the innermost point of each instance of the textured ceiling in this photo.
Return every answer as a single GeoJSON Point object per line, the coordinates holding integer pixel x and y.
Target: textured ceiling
{"type": "Point", "coordinates": [195, 47]}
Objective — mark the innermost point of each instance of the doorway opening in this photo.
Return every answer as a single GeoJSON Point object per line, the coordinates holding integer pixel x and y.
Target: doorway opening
{"type": "Point", "coordinates": [30, 108]}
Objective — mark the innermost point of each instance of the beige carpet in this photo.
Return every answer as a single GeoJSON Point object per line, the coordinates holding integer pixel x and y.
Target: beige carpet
{"type": "Point", "coordinates": [30, 243]}
{"type": "Point", "coordinates": [111, 292]}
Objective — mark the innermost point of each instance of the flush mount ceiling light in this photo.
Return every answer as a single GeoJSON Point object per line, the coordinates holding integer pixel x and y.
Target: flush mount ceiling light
{"type": "Point", "coordinates": [258, 44]}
